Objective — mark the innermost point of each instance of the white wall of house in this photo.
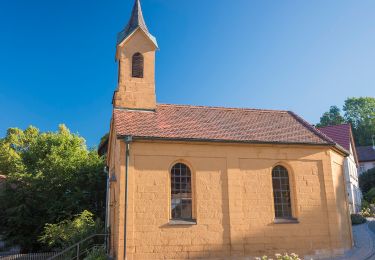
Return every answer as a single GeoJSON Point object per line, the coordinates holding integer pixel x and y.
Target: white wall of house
{"type": "Point", "coordinates": [352, 186]}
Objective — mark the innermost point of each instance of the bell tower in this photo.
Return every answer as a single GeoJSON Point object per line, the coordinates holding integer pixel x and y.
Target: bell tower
{"type": "Point", "coordinates": [135, 54]}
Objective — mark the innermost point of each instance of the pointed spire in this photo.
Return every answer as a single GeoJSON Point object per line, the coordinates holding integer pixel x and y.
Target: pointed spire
{"type": "Point", "coordinates": [136, 21]}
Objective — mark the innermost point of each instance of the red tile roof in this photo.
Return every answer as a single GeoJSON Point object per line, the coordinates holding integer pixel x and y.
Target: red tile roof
{"type": "Point", "coordinates": [366, 153]}
{"type": "Point", "coordinates": [341, 134]}
{"type": "Point", "coordinates": [217, 124]}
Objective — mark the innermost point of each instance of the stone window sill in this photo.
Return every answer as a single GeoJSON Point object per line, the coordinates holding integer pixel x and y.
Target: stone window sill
{"type": "Point", "coordinates": [286, 221]}
{"type": "Point", "coordinates": [182, 222]}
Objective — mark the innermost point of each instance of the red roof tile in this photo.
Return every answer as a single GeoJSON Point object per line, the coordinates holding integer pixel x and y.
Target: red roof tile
{"type": "Point", "coordinates": [217, 124]}
{"type": "Point", "coordinates": [366, 153]}
{"type": "Point", "coordinates": [339, 133]}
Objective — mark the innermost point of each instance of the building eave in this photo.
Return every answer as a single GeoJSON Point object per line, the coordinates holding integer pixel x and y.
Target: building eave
{"type": "Point", "coordinates": [201, 140]}
{"type": "Point", "coordinates": [126, 39]}
{"type": "Point", "coordinates": [333, 146]}
{"type": "Point", "coordinates": [147, 34]}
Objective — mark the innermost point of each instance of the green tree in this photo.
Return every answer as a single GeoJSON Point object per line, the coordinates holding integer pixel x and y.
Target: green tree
{"type": "Point", "coordinates": [370, 195]}
{"type": "Point", "coordinates": [69, 232]}
{"type": "Point", "coordinates": [367, 181]}
{"type": "Point", "coordinates": [331, 117]}
{"type": "Point", "coordinates": [97, 254]}
{"type": "Point", "coordinates": [104, 138]}
{"type": "Point", "coordinates": [360, 112]}
{"type": "Point", "coordinates": [51, 176]}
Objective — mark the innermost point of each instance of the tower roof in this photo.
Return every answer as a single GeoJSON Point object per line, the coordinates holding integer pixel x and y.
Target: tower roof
{"type": "Point", "coordinates": [136, 21]}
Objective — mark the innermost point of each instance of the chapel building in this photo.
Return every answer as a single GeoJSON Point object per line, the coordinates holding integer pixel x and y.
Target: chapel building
{"type": "Point", "coordinates": [198, 182]}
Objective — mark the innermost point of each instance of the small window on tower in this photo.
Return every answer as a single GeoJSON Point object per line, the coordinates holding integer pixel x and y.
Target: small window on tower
{"type": "Point", "coordinates": [137, 65]}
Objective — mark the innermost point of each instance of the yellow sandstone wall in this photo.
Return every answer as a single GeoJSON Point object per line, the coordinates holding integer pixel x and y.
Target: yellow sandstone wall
{"type": "Point", "coordinates": [232, 201]}
{"type": "Point", "coordinates": [116, 163]}
{"type": "Point", "coordinates": [136, 92]}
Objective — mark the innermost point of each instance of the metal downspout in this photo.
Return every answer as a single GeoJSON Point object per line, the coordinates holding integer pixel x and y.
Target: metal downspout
{"type": "Point", "coordinates": [106, 222]}
{"type": "Point", "coordinates": [128, 140]}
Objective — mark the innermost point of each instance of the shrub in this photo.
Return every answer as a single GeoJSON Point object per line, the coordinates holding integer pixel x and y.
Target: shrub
{"type": "Point", "coordinates": [280, 257]}
{"type": "Point", "coordinates": [357, 219]}
{"type": "Point", "coordinates": [367, 209]}
{"type": "Point", "coordinates": [68, 232]}
{"type": "Point", "coordinates": [367, 212]}
{"type": "Point", "coordinates": [367, 180]}
{"type": "Point", "coordinates": [365, 204]}
{"type": "Point", "coordinates": [370, 195]}
{"type": "Point", "coordinates": [97, 253]}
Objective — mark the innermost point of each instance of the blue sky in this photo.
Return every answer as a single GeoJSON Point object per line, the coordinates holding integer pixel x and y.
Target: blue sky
{"type": "Point", "coordinates": [57, 57]}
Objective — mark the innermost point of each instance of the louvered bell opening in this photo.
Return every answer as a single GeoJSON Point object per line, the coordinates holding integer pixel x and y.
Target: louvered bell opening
{"type": "Point", "coordinates": [137, 65]}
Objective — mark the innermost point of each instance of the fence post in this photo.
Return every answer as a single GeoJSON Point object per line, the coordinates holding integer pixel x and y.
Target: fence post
{"type": "Point", "coordinates": [78, 251]}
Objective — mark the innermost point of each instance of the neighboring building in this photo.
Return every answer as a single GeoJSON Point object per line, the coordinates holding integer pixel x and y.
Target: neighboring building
{"type": "Point", "coordinates": [193, 182]}
{"type": "Point", "coordinates": [342, 135]}
{"type": "Point", "coordinates": [366, 158]}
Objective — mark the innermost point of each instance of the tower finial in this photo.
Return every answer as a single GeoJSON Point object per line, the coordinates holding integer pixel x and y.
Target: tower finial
{"type": "Point", "coordinates": [136, 21]}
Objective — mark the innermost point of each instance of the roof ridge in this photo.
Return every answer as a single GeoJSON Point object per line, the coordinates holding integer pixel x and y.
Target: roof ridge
{"type": "Point", "coordinates": [311, 128]}
{"type": "Point", "coordinates": [344, 124]}
{"type": "Point", "coordinates": [225, 108]}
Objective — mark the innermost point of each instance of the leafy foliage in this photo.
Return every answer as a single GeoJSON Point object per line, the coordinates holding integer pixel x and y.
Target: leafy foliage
{"type": "Point", "coordinates": [357, 219]}
{"type": "Point", "coordinates": [367, 212]}
{"type": "Point", "coordinates": [331, 117]}
{"type": "Point", "coordinates": [97, 254]}
{"type": "Point", "coordinates": [367, 180]}
{"type": "Point", "coordinates": [103, 139]}
{"type": "Point", "coordinates": [370, 195]}
{"type": "Point", "coordinates": [360, 113]}
{"type": "Point", "coordinates": [51, 176]}
{"type": "Point", "coordinates": [69, 232]}
{"type": "Point", "coordinates": [280, 257]}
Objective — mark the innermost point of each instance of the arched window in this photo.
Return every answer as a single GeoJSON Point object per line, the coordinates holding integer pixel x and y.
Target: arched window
{"type": "Point", "coordinates": [137, 65]}
{"type": "Point", "coordinates": [281, 192]}
{"type": "Point", "coordinates": [181, 204]}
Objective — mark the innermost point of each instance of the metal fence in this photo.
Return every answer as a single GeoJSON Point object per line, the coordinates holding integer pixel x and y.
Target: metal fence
{"type": "Point", "coordinates": [81, 249]}
{"type": "Point", "coordinates": [75, 252]}
{"type": "Point", "coordinates": [34, 256]}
